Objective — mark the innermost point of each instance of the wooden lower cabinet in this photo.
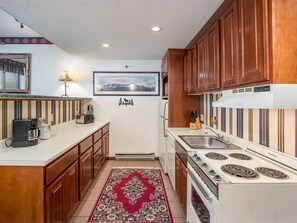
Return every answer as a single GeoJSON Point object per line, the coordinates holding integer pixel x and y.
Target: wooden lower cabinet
{"type": "Point", "coordinates": [72, 190]}
{"type": "Point", "coordinates": [56, 201]}
{"type": "Point", "coordinates": [180, 182]}
{"type": "Point", "coordinates": [86, 172]}
{"type": "Point", "coordinates": [51, 193]}
{"type": "Point", "coordinates": [183, 188]}
{"type": "Point", "coordinates": [62, 196]}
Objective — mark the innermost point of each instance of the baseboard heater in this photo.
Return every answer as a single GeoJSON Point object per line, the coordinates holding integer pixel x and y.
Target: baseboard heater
{"type": "Point", "coordinates": [135, 156]}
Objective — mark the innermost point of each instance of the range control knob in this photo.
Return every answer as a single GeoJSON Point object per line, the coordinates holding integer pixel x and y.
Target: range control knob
{"type": "Point", "coordinates": [198, 159]}
{"type": "Point", "coordinates": [204, 165]}
{"type": "Point", "coordinates": [217, 177]}
{"type": "Point", "coordinates": [212, 172]}
{"type": "Point", "coordinates": [195, 155]}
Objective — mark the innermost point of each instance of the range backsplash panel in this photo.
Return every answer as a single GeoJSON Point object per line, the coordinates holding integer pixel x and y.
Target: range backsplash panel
{"type": "Point", "coordinates": [53, 111]}
{"type": "Point", "coordinates": [274, 128]}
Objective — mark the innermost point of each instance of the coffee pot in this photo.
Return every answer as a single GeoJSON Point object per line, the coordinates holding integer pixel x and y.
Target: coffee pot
{"type": "Point", "coordinates": [45, 131]}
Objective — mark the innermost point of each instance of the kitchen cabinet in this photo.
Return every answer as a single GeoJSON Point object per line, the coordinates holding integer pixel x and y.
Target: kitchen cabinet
{"type": "Point", "coordinates": [247, 43]}
{"type": "Point", "coordinates": [253, 41]}
{"type": "Point", "coordinates": [72, 200]}
{"type": "Point", "coordinates": [62, 196]}
{"type": "Point", "coordinates": [190, 71]}
{"type": "Point", "coordinates": [56, 201]}
{"type": "Point", "coordinates": [181, 175]}
{"type": "Point", "coordinates": [179, 104]}
{"type": "Point", "coordinates": [201, 64]}
{"type": "Point", "coordinates": [229, 46]}
{"type": "Point", "coordinates": [212, 74]}
{"type": "Point", "coordinates": [86, 172]}
{"type": "Point", "coordinates": [51, 192]}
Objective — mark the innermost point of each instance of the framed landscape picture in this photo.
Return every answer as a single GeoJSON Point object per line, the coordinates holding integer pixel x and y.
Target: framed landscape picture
{"type": "Point", "coordinates": [126, 83]}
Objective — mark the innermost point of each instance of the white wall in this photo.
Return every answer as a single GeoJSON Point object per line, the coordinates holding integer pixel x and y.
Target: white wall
{"type": "Point", "coordinates": [132, 129]}
{"type": "Point", "coordinates": [48, 61]}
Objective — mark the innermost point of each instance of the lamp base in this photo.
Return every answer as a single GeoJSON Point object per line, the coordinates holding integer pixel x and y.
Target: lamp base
{"type": "Point", "coordinates": [65, 95]}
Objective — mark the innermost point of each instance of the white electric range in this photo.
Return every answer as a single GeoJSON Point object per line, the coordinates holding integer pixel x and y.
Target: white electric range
{"type": "Point", "coordinates": [232, 186]}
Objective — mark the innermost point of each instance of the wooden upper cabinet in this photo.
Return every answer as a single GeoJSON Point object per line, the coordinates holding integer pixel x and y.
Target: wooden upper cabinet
{"type": "Point", "coordinates": [212, 74]}
{"type": "Point", "coordinates": [253, 41]}
{"type": "Point", "coordinates": [187, 72]}
{"type": "Point", "coordinates": [201, 64]}
{"type": "Point", "coordinates": [229, 46]}
{"type": "Point", "coordinates": [190, 71]}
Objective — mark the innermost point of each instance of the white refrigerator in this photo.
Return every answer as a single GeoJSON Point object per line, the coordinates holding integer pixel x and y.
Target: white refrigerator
{"type": "Point", "coordinates": [163, 124]}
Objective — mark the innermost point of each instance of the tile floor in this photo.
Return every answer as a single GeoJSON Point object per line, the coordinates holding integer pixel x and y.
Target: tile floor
{"type": "Point", "coordinates": [85, 208]}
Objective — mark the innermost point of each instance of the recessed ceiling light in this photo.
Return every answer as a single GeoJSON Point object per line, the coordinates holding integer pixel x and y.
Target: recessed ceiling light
{"type": "Point", "coordinates": [156, 28]}
{"type": "Point", "coordinates": [105, 45]}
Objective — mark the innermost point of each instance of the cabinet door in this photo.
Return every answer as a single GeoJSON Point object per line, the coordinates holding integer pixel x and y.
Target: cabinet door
{"type": "Point", "coordinates": [201, 64]}
{"type": "Point", "coordinates": [177, 174]}
{"type": "Point", "coordinates": [229, 46]}
{"type": "Point", "coordinates": [86, 172]}
{"type": "Point", "coordinates": [56, 201]}
{"type": "Point", "coordinates": [183, 188]}
{"type": "Point", "coordinates": [187, 72]}
{"type": "Point", "coordinates": [71, 190]}
{"type": "Point", "coordinates": [213, 57]}
{"type": "Point", "coordinates": [252, 41]}
{"type": "Point", "coordinates": [194, 77]}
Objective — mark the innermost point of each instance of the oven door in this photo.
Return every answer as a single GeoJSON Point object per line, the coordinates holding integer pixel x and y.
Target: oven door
{"type": "Point", "coordinates": [202, 204]}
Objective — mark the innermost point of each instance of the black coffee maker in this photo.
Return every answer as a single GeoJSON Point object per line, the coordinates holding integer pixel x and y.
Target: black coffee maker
{"type": "Point", "coordinates": [25, 132]}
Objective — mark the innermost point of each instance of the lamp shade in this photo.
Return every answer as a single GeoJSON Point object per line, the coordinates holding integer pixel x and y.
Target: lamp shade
{"type": "Point", "coordinates": [65, 77]}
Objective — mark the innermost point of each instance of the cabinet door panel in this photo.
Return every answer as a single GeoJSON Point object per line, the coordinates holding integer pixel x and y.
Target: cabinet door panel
{"type": "Point", "coordinates": [201, 64]}
{"type": "Point", "coordinates": [55, 201]}
{"type": "Point", "coordinates": [183, 192]}
{"type": "Point", "coordinates": [229, 46]}
{"type": "Point", "coordinates": [177, 174]}
{"type": "Point", "coordinates": [213, 57]}
{"type": "Point", "coordinates": [86, 172]}
{"type": "Point", "coordinates": [72, 190]}
{"type": "Point", "coordinates": [252, 41]}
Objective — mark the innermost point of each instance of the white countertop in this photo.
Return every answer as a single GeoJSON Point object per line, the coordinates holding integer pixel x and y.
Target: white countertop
{"type": "Point", "coordinates": [63, 137]}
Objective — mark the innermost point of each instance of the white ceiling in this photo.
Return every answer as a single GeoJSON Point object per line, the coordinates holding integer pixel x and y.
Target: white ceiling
{"type": "Point", "coordinates": [81, 26]}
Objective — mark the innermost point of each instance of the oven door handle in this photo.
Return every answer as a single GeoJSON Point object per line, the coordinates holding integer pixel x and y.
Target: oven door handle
{"type": "Point", "coordinates": [205, 194]}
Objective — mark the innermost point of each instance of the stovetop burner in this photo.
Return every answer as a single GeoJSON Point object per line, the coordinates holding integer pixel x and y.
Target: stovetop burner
{"type": "Point", "coordinates": [216, 156]}
{"type": "Point", "coordinates": [240, 156]}
{"type": "Point", "coordinates": [240, 171]}
{"type": "Point", "coordinates": [269, 172]}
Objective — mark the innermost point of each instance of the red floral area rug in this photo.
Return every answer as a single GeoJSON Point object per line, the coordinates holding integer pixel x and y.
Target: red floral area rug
{"type": "Point", "coordinates": [134, 196]}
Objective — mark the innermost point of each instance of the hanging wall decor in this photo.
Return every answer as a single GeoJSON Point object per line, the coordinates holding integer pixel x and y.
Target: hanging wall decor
{"type": "Point", "coordinates": [126, 83]}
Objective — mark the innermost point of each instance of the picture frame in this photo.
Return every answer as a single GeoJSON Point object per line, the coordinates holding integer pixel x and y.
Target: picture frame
{"type": "Point", "coordinates": [107, 83]}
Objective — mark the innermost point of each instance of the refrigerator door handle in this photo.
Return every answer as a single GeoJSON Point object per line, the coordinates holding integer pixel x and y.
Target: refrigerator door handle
{"type": "Point", "coordinates": [164, 112]}
{"type": "Point", "coordinates": [164, 128]}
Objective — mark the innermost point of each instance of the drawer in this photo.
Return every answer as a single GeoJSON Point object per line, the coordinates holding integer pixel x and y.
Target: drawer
{"type": "Point", "coordinates": [55, 168]}
{"type": "Point", "coordinates": [97, 155]}
{"type": "Point", "coordinates": [97, 146]}
{"type": "Point", "coordinates": [105, 129]}
{"type": "Point", "coordinates": [97, 167]}
{"type": "Point", "coordinates": [84, 145]}
{"type": "Point", "coordinates": [97, 135]}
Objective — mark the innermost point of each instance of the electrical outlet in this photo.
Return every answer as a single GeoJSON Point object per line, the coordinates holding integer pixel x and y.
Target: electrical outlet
{"type": "Point", "coordinates": [201, 117]}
